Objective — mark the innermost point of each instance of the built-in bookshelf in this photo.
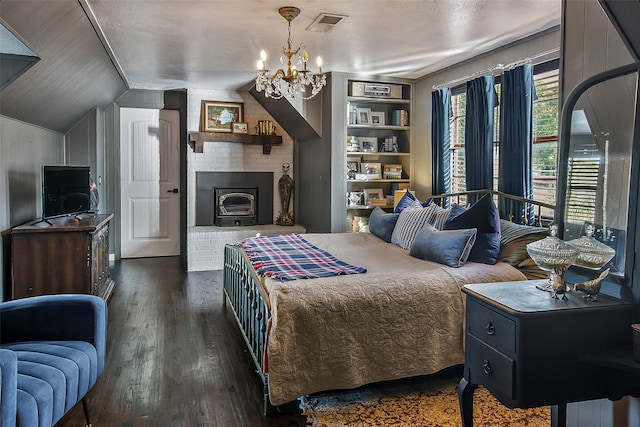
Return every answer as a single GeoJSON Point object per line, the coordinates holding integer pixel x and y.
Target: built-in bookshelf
{"type": "Point", "coordinates": [377, 144]}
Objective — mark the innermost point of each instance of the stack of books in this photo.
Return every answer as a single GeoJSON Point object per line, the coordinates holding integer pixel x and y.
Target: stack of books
{"type": "Point", "coordinates": [392, 171]}
{"type": "Point", "coordinates": [378, 202]}
{"type": "Point", "coordinates": [353, 144]}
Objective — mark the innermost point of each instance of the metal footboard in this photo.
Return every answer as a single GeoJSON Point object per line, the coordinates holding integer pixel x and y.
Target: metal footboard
{"type": "Point", "coordinates": [250, 305]}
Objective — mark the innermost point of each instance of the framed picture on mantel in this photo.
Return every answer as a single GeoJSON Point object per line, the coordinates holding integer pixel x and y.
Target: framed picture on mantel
{"type": "Point", "coordinates": [219, 116]}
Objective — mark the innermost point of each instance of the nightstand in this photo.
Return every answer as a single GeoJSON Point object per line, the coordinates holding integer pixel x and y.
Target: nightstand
{"type": "Point", "coordinates": [529, 349]}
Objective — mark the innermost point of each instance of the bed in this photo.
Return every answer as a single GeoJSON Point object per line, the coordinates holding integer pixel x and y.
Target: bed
{"type": "Point", "coordinates": [404, 317]}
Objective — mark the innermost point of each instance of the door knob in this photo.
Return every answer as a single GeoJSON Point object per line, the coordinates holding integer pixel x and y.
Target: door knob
{"type": "Point", "coordinates": [175, 190]}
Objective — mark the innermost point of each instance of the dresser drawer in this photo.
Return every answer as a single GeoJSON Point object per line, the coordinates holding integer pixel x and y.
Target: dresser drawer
{"type": "Point", "coordinates": [491, 327]}
{"type": "Point", "coordinates": [486, 366]}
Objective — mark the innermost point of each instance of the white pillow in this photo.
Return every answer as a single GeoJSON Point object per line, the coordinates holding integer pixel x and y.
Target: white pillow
{"type": "Point", "coordinates": [410, 221]}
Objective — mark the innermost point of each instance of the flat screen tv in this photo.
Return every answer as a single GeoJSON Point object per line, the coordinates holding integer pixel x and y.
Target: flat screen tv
{"type": "Point", "coordinates": [65, 190]}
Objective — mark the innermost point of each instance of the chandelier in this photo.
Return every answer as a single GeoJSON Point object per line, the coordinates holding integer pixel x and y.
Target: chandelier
{"type": "Point", "coordinates": [300, 82]}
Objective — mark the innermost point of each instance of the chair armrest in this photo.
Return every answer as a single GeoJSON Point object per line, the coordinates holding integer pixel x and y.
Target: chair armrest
{"type": "Point", "coordinates": [8, 387]}
{"type": "Point", "coordinates": [62, 317]}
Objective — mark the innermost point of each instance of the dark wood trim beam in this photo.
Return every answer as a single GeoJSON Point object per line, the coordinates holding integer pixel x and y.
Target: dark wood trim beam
{"type": "Point", "coordinates": [197, 140]}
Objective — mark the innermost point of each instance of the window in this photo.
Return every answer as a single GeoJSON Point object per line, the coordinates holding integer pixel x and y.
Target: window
{"type": "Point", "coordinates": [582, 189]}
{"type": "Point", "coordinates": [545, 135]}
{"type": "Point", "coordinates": [545, 138]}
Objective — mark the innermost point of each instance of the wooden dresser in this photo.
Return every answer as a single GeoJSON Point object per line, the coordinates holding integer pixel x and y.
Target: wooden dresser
{"type": "Point", "coordinates": [64, 255]}
{"type": "Point", "coordinates": [529, 349]}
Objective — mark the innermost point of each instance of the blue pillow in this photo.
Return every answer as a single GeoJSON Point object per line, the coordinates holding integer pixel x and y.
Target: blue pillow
{"type": "Point", "coordinates": [455, 210]}
{"type": "Point", "coordinates": [450, 247]}
{"type": "Point", "coordinates": [485, 218]}
{"type": "Point", "coordinates": [382, 223]}
{"type": "Point", "coordinates": [407, 200]}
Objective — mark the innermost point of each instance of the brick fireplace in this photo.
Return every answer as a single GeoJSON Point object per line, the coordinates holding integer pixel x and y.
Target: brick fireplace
{"type": "Point", "coordinates": [205, 240]}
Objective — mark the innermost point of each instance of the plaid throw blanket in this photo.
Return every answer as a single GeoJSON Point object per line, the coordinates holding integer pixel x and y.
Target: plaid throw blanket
{"type": "Point", "coordinates": [290, 257]}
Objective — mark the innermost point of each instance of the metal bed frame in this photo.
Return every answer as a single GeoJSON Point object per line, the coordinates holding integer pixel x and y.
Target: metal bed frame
{"type": "Point", "coordinates": [250, 301]}
{"type": "Point", "coordinates": [251, 308]}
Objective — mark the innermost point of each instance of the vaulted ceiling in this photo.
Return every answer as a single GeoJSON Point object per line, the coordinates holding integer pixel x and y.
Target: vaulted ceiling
{"type": "Point", "coordinates": [93, 50]}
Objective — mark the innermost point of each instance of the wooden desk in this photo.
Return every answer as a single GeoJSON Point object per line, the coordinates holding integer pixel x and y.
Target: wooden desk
{"type": "Point", "coordinates": [528, 349]}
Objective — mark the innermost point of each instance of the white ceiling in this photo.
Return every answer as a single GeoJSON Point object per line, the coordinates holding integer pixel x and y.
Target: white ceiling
{"type": "Point", "coordinates": [164, 44]}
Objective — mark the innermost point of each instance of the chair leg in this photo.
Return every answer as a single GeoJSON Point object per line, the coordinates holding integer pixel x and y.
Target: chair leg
{"type": "Point", "coordinates": [86, 411]}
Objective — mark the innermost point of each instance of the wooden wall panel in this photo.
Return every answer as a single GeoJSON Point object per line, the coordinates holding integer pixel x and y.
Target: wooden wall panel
{"type": "Point", "coordinates": [75, 72]}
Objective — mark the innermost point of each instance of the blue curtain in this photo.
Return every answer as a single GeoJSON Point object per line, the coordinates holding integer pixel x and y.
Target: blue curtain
{"type": "Point", "coordinates": [516, 142]}
{"type": "Point", "coordinates": [478, 134]}
{"type": "Point", "coordinates": [441, 114]}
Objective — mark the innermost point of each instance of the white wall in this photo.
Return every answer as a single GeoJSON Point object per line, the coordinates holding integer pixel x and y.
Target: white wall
{"type": "Point", "coordinates": [24, 148]}
{"type": "Point", "coordinates": [527, 48]}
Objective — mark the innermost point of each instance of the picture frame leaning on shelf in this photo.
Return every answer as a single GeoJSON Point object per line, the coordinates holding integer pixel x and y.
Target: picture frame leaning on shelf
{"type": "Point", "coordinates": [368, 144]}
{"type": "Point", "coordinates": [363, 116]}
{"type": "Point", "coordinates": [377, 118]}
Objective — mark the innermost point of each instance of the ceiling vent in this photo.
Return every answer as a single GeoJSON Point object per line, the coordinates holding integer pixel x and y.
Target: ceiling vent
{"type": "Point", "coordinates": [325, 22]}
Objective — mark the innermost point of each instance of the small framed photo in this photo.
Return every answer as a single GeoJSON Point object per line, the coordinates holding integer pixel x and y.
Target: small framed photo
{"type": "Point", "coordinates": [369, 144]}
{"type": "Point", "coordinates": [239, 127]}
{"type": "Point", "coordinates": [372, 193]}
{"type": "Point", "coordinates": [363, 116]}
{"type": "Point", "coordinates": [372, 170]}
{"type": "Point", "coordinates": [377, 118]}
{"type": "Point", "coordinates": [353, 167]}
{"type": "Point", "coordinates": [218, 116]}
{"type": "Point", "coordinates": [354, 198]}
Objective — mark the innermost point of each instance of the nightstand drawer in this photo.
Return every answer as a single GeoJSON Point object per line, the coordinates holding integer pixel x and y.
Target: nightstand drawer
{"type": "Point", "coordinates": [486, 366]}
{"type": "Point", "coordinates": [491, 327]}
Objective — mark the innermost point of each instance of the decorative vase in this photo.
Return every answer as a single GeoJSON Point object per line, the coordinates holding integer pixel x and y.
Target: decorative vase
{"type": "Point", "coordinates": [285, 188]}
{"type": "Point", "coordinates": [555, 256]}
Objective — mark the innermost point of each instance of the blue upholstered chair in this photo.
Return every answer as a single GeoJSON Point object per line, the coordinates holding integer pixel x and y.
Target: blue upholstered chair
{"type": "Point", "coordinates": [52, 350]}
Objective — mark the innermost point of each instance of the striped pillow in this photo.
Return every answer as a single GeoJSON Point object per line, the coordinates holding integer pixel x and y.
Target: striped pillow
{"type": "Point", "coordinates": [410, 221]}
{"type": "Point", "coordinates": [441, 217]}
{"type": "Point", "coordinates": [510, 231]}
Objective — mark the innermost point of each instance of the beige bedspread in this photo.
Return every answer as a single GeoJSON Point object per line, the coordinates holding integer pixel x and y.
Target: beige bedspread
{"type": "Point", "coordinates": [402, 318]}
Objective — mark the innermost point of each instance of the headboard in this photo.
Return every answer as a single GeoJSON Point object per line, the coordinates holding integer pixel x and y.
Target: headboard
{"type": "Point", "coordinates": [543, 212]}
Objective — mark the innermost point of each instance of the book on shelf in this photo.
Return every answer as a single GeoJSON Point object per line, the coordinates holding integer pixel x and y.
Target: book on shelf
{"type": "Point", "coordinates": [400, 118]}
{"type": "Point", "coordinates": [389, 145]}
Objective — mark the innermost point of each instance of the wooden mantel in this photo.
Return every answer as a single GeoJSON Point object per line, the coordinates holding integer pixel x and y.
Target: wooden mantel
{"type": "Point", "coordinates": [197, 140]}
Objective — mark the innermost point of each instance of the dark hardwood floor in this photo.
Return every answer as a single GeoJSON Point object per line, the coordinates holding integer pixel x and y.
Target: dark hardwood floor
{"type": "Point", "coordinates": [175, 356]}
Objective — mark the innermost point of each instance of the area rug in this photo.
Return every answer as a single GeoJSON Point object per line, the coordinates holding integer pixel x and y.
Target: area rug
{"type": "Point", "coordinates": [429, 403]}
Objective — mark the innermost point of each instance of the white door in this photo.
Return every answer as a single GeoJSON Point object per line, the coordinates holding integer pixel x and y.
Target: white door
{"type": "Point", "coordinates": [150, 182]}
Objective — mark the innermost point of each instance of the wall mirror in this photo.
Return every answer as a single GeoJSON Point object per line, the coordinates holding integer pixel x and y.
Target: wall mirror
{"type": "Point", "coordinates": [595, 162]}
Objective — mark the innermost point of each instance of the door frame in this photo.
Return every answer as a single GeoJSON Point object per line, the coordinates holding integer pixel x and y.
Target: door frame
{"type": "Point", "coordinates": [168, 100]}
{"type": "Point", "coordinates": [149, 192]}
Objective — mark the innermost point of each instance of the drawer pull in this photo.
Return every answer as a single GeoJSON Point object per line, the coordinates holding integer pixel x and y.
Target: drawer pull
{"type": "Point", "coordinates": [490, 328]}
{"type": "Point", "coordinates": [486, 367]}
